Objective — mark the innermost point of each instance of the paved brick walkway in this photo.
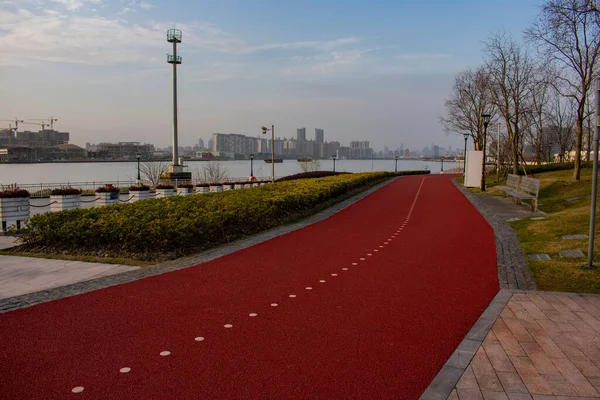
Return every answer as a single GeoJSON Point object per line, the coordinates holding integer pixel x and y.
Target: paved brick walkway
{"type": "Point", "coordinates": [543, 346]}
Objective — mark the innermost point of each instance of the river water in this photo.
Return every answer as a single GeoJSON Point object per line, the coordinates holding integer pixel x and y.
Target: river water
{"type": "Point", "coordinates": [29, 174]}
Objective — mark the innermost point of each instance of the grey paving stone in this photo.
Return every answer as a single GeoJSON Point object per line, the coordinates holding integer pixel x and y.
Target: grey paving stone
{"type": "Point", "coordinates": [513, 219]}
{"type": "Point", "coordinates": [443, 384]}
{"type": "Point", "coordinates": [540, 257]}
{"type": "Point", "coordinates": [575, 237]}
{"type": "Point", "coordinates": [571, 253]}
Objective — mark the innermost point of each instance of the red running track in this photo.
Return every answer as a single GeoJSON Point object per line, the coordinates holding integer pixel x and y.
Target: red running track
{"type": "Point", "coordinates": [380, 326]}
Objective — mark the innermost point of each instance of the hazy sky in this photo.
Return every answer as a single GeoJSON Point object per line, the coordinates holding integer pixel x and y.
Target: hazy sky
{"type": "Point", "coordinates": [375, 70]}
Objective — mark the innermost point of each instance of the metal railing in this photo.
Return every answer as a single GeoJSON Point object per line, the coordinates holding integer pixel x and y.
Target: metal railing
{"type": "Point", "coordinates": [37, 190]}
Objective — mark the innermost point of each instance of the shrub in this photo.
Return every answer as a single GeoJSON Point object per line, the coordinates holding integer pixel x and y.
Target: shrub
{"type": "Point", "coordinates": [538, 169]}
{"type": "Point", "coordinates": [203, 185]}
{"type": "Point", "coordinates": [13, 194]}
{"type": "Point", "coordinates": [65, 191]}
{"type": "Point", "coordinates": [108, 188]}
{"type": "Point", "coordinates": [185, 186]}
{"type": "Point", "coordinates": [175, 226]}
{"type": "Point", "coordinates": [138, 188]}
{"type": "Point", "coordinates": [165, 186]}
{"type": "Point", "coordinates": [308, 175]}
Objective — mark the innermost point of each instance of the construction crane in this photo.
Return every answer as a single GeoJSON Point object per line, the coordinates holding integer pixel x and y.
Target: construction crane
{"type": "Point", "coordinates": [16, 121]}
{"type": "Point", "coordinates": [51, 119]}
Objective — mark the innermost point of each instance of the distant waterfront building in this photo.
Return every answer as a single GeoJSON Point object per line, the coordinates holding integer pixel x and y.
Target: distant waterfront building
{"type": "Point", "coordinates": [124, 150]}
{"type": "Point", "coordinates": [7, 138]}
{"type": "Point", "coordinates": [301, 134]}
{"type": "Point", "coordinates": [319, 135]}
{"type": "Point", "coordinates": [201, 143]}
{"type": "Point", "coordinates": [43, 138]}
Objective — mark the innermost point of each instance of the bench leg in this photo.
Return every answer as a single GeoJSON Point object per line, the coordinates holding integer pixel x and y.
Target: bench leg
{"type": "Point", "coordinates": [533, 205]}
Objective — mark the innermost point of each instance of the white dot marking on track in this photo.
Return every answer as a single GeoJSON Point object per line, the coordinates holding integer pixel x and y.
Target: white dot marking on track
{"type": "Point", "coordinates": [77, 389]}
{"type": "Point", "coordinates": [274, 304]}
{"type": "Point", "coordinates": [292, 295]}
{"type": "Point", "coordinates": [199, 339]}
{"type": "Point", "coordinates": [165, 353]}
{"type": "Point", "coordinates": [308, 288]}
{"type": "Point", "coordinates": [124, 370]}
{"type": "Point", "coordinates": [227, 326]}
{"type": "Point", "coordinates": [252, 314]}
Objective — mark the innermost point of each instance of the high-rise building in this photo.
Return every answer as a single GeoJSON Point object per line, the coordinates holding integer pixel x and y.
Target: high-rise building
{"type": "Point", "coordinates": [319, 135]}
{"type": "Point", "coordinates": [201, 143]}
{"type": "Point", "coordinates": [301, 134]}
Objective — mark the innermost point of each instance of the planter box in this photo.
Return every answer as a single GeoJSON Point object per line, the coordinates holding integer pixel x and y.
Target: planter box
{"type": "Point", "coordinates": [107, 198]}
{"type": "Point", "coordinates": [216, 188]}
{"type": "Point", "coordinates": [184, 191]}
{"type": "Point", "coordinates": [14, 210]}
{"type": "Point", "coordinates": [255, 184]}
{"type": "Point", "coordinates": [239, 185]}
{"type": "Point", "coordinates": [137, 195]}
{"type": "Point", "coordinates": [228, 186]}
{"type": "Point", "coordinates": [160, 193]}
{"type": "Point", "coordinates": [202, 189]}
{"type": "Point", "coordinates": [65, 202]}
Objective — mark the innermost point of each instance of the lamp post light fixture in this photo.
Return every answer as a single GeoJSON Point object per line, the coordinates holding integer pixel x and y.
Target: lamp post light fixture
{"type": "Point", "coordinates": [138, 156]}
{"type": "Point", "coordinates": [334, 157]}
{"type": "Point", "coordinates": [486, 122]}
{"type": "Point", "coordinates": [251, 165]}
{"type": "Point", "coordinates": [396, 167]}
{"type": "Point", "coordinates": [264, 131]}
{"type": "Point", "coordinates": [466, 136]}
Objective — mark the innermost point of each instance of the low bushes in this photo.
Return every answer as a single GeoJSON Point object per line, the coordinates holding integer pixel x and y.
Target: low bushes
{"type": "Point", "coordinates": [175, 226]}
{"type": "Point", "coordinates": [308, 175]}
{"type": "Point", "coordinates": [13, 193]}
{"type": "Point", "coordinates": [538, 169]}
{"type": "Point", "coordinates": [66, 191]}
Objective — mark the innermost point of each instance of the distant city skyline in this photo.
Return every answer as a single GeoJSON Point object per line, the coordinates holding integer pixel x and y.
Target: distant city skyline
{"type": "Point", "coordinates": [371, 70]}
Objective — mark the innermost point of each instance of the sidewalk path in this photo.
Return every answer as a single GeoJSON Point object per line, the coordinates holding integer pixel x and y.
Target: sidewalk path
{"type": "Point", "coordinates": [21, 275]}
{"type": "Point", "coordinates": [543, 346]}
{"type": "Point", "coordinates": [366, 304]}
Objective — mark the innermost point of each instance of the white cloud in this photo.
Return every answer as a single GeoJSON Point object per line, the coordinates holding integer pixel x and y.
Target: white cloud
{"type": "Point", "coordinates": [421, 56]}
{"type": "Point", "coordinates": [74, 5]}
{"type": "Point", "coordinates": [146, 5]}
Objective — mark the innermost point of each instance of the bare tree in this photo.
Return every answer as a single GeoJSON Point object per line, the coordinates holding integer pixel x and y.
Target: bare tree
{"type": "Point", "coordinates": [562, 121]}
{"type": "Point", "coordinates": [211, 172]}
{"type": "Point", "coordinates": [511, 72]}
{"type": "Point", "coordinates": [537, 136]}
{"type": "Point", "coordinates": [471, 98]}
{"type": "Point", "coordinates": [309, 166]}
{"type": "Point", "coordinates": [151, 170]}
{"type": "Point", "coordinates": [569, 35]}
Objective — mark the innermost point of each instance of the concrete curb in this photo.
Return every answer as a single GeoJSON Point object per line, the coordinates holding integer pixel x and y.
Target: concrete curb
{"type": "Point", "coordinates": [30, 299]}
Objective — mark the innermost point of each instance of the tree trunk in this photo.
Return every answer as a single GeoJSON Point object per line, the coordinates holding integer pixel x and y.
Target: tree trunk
{"type": "Point", "coordinates": [578, 137]}
{"type": "Point", "coordinates": [515, 155]}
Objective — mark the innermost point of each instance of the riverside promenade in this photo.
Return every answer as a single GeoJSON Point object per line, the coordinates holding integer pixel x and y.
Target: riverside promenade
{"type": "Point", "coordinates": [366, 304]}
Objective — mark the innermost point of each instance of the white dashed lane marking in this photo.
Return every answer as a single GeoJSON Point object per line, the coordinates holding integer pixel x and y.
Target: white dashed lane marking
{"type": "Point", "coordinates": [227, 326]}
{"type": "Point", "coordinates": [165, 353]}
{"type": "Point", "coordinates": [252, 314]}
{"type": "Point", "coordinates": [199, 339]}
{"type": "Point", "coordinates": [124, 370]}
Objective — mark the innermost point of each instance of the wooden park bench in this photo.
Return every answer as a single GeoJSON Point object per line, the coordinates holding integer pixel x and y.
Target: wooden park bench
{"type": "Point", "coordinates": [512, 184]}
{"type": "Point", "coordinates": [522, 189]}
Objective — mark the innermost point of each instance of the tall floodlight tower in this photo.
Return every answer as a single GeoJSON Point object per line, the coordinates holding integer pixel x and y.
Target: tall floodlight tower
{"type": "Point", "coordinates": [175, 171]}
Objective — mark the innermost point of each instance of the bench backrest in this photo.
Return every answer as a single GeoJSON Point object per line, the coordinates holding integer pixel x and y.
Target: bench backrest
{"type": "Point", "coordinates": [530, 185]}
{"type": "Point", "coordinates": [513, 181]}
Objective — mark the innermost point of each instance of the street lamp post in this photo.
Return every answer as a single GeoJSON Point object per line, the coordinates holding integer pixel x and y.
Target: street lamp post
{"type": "Point", "coordinates": [138, 156]}
{"type": "Point", "coordinates": [251, 165]}
{"type": "Point", "coordinates": [486, 121]}
{"type": "Point", "coordinates": [592, 235]}
{"type": "Point", "coordinates": [466, 136]}
{"type": "Point", "coordinates": [396, 168]}
{"type": "Point", "coordinates": [334, 157]}
{"type": "Point", "coordinates": [265, 130]}
{"type": "Point", "coordinates": [442, 164]}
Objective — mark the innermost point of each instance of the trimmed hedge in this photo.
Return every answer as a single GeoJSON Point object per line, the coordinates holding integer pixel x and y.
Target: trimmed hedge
{"type": "Point", "coordinates": [538, 169]}
{"type": "Point", "coordinates": [13, 194]}
{"type": "Point", "coordinates": [309, 175]}
{"type": "Point", "coordinates": [171, 227]}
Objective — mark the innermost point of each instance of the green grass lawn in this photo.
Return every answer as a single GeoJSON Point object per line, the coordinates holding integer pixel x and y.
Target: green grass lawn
{"type": "Point", "coordinates": [564, 218]}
